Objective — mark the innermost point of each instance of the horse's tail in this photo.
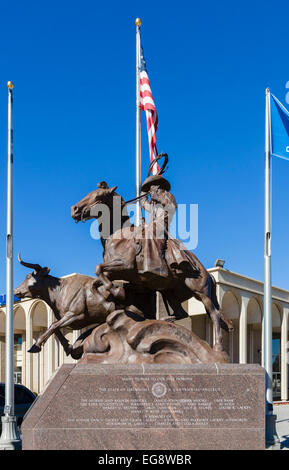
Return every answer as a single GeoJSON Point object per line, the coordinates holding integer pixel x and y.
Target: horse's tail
{"type": "Point", "coordinates": [214, 292]}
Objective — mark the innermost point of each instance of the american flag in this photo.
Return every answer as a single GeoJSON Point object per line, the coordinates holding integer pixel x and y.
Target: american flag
{"type": "Point", "coordinates": [147, 104]}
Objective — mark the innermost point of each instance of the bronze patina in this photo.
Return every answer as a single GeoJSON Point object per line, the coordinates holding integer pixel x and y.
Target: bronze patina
{"type": "Point", "coordinates": [77, 302]}
{"type": "Point", "coordinates": [143, 258]}
{"type": "Point", "coordinates": [120, 303]}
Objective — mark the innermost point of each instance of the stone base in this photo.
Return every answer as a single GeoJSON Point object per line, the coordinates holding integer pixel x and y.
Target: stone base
{"type": "Point", "coordinates": [149, 407]}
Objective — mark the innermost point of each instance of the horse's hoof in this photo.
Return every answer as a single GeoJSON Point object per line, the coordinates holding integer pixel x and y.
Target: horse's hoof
{"type": "Point", "coordinates": [77, 353]}
{"type": "Point", "coordinates": [34, 349]}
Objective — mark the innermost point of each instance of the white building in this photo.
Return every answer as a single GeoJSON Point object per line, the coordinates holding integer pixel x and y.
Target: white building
{"type": "Point", "coordinates": [240, 297]}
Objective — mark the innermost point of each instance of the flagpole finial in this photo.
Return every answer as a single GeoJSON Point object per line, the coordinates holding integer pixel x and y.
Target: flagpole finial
{"type": "Point", "coordinates": [10, 85]}
{"type": "Point", "coordinates": [267, 90]}
{"type": "Point", "coordinates": [138, 22]}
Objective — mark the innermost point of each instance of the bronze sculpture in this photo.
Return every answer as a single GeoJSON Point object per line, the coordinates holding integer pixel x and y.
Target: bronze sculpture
{"type": "Point", "coordinates": [77, 302]}
{"type": "Point", "coordinates": [123, 340]}
{"type": "Point", "coordinates": [128, 255]}
{"type": "Point", "coordinates": [120, 302]}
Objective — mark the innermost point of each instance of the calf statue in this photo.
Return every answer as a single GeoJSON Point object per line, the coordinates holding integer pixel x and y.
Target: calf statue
{"type": "Point", "coordinates": [77, 302]}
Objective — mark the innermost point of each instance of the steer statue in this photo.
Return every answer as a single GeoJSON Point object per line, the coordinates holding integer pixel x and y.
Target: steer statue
{"type": "Point", "coordinates": [77, 302]}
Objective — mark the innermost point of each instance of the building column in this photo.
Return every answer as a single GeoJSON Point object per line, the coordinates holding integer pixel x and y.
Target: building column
{"type": "Point", "coordinates": [251, 342]}
{"type": "Point", "coordinates": [49, 352]}
{"type": "Point", "coordinates": [231, 345]}
{"type": "Point", "coordinates": [41, 367]}
{"type": "Point", "coordinates": [56, 353]}
{"type": "Point", "coordinates": [284, 355]}
{"type": "Point", "coordinates": [62, 354]}
{"type": "Point", "coordinates": [208, 331]}
{"type": "Point", "coordinates": [75, 335]}
{"type": "Point", "coordinates": [23, 368]}
{"type": "Point", "coordinates": [29, 356]}
{"type": "Point", "coordinates": [243, 330]}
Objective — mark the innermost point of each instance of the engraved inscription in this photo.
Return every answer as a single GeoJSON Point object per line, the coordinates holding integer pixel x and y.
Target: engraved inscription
{"type": "Point", "coordinates": [163, 401]}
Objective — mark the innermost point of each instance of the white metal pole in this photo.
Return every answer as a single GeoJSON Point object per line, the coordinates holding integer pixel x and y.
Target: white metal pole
{"type": "Point", "coordinates": [138, 122]}
{"type": "Point", "coordinates": [272, 439]}
{"type": "Point", "coordinates": [9, 369]}
{"type": "Point", "coordinates": [9, 437]}
{"type": "Point", "coordinates": [267, 259]}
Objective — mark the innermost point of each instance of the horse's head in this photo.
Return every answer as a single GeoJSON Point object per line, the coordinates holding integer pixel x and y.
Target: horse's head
{"type": "Point", "coordinates": [102, 195]}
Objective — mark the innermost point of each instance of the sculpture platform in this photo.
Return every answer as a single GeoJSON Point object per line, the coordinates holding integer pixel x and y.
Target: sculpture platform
{"type": "Point", "coordinates": [149, 407]}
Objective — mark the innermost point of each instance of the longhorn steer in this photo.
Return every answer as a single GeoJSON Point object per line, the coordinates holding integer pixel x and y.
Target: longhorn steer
{"type": "Point", "coordinates": [75, 301]}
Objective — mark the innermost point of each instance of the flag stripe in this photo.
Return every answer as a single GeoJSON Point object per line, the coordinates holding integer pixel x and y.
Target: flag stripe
{"type": "Point", "coordinates": [147, 104]}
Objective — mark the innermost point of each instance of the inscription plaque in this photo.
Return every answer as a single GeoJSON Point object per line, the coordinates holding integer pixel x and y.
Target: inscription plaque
{"type": "Point", "coordinates": [162, 401]}
{"type": "Point", "coordinates": [189, 401]}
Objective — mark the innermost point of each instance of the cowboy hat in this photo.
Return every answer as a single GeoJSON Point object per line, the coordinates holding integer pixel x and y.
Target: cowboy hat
{"type": "Point", "coordinates": [155, 180]}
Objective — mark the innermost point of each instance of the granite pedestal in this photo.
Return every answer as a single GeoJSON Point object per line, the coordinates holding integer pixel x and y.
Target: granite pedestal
{"type": "Point", "coordinates": [149, 406]}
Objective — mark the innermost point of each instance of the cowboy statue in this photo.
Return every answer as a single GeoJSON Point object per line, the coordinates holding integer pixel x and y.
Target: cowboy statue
{"type": "Point", "coordinates": [162, 252]}
{"type": "Point", "coordinates": [147, 256]}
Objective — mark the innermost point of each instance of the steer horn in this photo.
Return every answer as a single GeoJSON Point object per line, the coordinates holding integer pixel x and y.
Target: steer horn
{"type": "Point", "coordinates": [37, 267]}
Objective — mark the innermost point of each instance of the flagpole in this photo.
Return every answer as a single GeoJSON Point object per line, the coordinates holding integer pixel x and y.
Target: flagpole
{"type": "Point", "coordinates": [267, 260]}
{"type": "Point", "coordinates": [271, 435]}
{"type": "Point", "coordinates": [10, 436]}
{"type": "Point", "coordinates": [138, 122]}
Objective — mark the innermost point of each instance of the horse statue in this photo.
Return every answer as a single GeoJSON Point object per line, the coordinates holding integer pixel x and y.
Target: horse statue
{"type": "Point", "coordinates": [142, 257]}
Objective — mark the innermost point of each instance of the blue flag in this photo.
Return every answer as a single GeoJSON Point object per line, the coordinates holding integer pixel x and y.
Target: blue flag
{"type": "Point", "coordinates": [279, 129]}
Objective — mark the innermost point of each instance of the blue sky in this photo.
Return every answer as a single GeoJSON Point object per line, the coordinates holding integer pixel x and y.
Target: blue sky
{"type": "Point", "coordinates": [73, 65]}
